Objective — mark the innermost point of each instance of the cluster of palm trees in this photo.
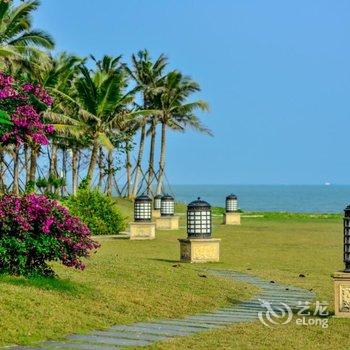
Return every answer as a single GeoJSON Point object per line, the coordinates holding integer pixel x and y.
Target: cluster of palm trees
{"type": "Point", "coordinates": [104, 111]}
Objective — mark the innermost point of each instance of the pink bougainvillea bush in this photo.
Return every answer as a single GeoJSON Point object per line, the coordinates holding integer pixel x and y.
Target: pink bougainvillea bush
{"type": "Point", "coordinates": [21, 106]}
{"type": "Point", "coordinates": [35, 230]}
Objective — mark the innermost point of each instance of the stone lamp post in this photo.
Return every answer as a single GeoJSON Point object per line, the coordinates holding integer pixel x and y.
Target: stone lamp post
{"type": "Point", "coordinates": [142, 227]}
{"type": "Point", "coordinates": [232, 216]}
{"type": "Point", "coordinates": [199, 246]}
{"type": "Point", "coordinates": [167, 219]}
{"type": "Point", "coordinates": [342, 278]}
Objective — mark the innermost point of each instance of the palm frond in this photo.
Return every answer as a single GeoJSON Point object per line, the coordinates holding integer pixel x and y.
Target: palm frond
{"type": "Point", "coordinates": [105, 141]}
{"type": "Point", "coordinates": [35, 37]}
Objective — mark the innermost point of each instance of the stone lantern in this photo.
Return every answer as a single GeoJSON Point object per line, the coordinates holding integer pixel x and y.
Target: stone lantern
{"type": "Point", "coordinates": [231, 215]}
{"type": "Point", "coordinates": [199, 246]}
{"type": "Point", "coordinates": [167, 219]}
{"type": "Point", "coordinates": [342, 278]}
{"type": "Point", "coordinates": [142, 227]}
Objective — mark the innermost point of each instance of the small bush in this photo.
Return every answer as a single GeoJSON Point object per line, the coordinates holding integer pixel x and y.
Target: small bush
{"type": "Point", "coordinates": [35, 230]}
{"type": "Point", "coordinates": [98, 211]}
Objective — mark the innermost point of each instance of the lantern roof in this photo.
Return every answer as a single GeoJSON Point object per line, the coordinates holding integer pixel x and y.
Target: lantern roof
{"type": "Point", "coordinates": [199, 203]}
{"type": "Point", "coordinates": [231, 196]}
{"type": "Point", "coordinates": [167, 197]}
{"type": "Point", "coordinates": [143, 198]}
{"type": "Point", "coordinates": [347, 210]}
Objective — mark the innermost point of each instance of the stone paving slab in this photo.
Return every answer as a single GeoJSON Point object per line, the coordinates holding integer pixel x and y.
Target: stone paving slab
{"type": "Point", "coordinates": [127, 335]}
{"type": "Point", "coordinates": [203, 326]}
{"type": "Point", "coordinates": [76, 346]}
{"type": "Point", "coordinates": [150, 330]}
{"type": "Point", "coordinates": [146, 333]}
{"type": "Point", "coordinates": [107, 340]}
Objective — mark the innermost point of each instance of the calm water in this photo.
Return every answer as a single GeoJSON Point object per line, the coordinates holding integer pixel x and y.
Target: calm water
{"type": "Point", "coordinates": [317, 199]}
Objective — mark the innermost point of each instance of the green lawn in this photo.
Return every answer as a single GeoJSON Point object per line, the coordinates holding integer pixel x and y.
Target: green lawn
{"type": "Point", "coordinates": [280, 247]}
{"type": "Point", "coordinates": [130, 281]}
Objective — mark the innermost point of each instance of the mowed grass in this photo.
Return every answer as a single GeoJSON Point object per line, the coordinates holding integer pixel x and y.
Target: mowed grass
{"type": "Point", "coordinates": [279, 248]}
{"type": "Point", "coordinates": [126, 281]}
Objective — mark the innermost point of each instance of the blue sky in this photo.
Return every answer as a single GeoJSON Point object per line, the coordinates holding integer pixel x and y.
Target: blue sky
{"type": "Point", "coordinates": [276, 75]}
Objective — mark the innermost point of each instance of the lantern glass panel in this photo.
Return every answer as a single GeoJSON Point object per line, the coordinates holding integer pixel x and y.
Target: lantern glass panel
{"type": "Point", "coordinates": [157, 202]}
{"type": "Point", "coordinates": [199, 220]}
{"type": "Point", "coordinates": [167, 208]}
{"type": "Point", "coordinates": [143, 209]}
{"type": "Point", "coordinates": [231, 203]}
{"type": "Point", "coordinates": [346, 250]}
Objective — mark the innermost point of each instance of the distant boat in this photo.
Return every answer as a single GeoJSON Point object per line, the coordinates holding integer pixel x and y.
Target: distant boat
{"type": "Point", "coordinates": [327, 183]}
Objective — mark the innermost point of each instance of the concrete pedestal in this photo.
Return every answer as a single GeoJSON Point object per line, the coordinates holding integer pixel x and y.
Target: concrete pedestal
{"type": "Point", "coordinates": [341, 294]}
{"type": "Point", "coordinates": [232, 218]}
{"type": "Point", "coordinates": [167, 223]}
{"type": "Point", "coordinates": [200, 250]}
{"type": "Point", "coordinates": [155, 213]}
{"type": "Point", "coordinates": [142, 230]}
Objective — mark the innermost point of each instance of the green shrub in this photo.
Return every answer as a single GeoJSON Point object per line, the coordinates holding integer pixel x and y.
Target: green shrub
{"type": "Point", "coordinates": [98, 211]}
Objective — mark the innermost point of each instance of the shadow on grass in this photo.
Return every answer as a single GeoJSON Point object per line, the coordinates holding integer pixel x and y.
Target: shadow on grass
{"type": "Point", "coordinates": [47, 283]}
{"type": "Point", "coordinates": [235, 301]}
{"type": "Point", "coordinates": [165, 260]}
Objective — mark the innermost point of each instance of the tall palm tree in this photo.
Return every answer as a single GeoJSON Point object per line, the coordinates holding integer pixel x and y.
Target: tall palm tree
{"type": "Point", "coordinates": [127, 127]}
{"type": "Point", "coordinates": [176, 112]}
{"type": "Point", "coordinates": [148, 75]}
{"type": "Point", "coordinates": [16, 34]}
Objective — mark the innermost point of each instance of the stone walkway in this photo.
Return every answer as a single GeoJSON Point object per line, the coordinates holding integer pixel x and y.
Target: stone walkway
{"type": "Point", "coordinates": [146, 333]}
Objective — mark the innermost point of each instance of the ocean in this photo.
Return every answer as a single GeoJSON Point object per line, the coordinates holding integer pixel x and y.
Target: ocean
{"type": "Point", "coordinates": [292, 198]}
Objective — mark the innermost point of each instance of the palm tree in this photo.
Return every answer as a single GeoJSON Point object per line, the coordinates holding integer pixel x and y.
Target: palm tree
{"type": "Point", "coordinates": [17, 37]}
{"type": "Point", "coordinates": [176, 112]}
{"type": "Point", "coordinates": [97, 101]}
{"type": "Point", "coordinates": [127, 127]}
{"type": "Point", "coordinates": [148, 77]}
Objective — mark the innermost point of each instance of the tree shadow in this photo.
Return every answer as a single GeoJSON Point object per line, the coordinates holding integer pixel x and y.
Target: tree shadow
{"type": "Point", "coordinates": [47, 283]}
{"type": "Point", "coordinates": [235, 302]}
{"type": "Point", "coordinates": [165, 260]}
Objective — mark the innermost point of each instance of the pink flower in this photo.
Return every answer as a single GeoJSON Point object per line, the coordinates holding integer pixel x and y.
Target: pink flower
{"type": "Point", "coordinates": [8, 92]}
{"type": "Point", "coordinates": [40, 139]}
{"type": "Point", "coordinates": [49, 129]}
{"type": "Point", "coordinates": [47, 225]}
{"type": "Point", "coordinates": [28, 125]}
{"type": "Point", "coordinates": [6, 80]}
{"type": "Point", "coordinates": [28, 87]}
{"type": "Point", "coordinates": [33, 218]}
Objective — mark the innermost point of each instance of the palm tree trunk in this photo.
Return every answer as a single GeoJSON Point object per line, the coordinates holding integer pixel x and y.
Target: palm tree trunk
{"type": "Point", "coordinates": [128, 169]}
{"type": "Point", "coordinates": [139, 161]}
{"type": "Point", "coordinates": [110, 173]}
{"type": "Point", "coordinates": [93, 161]}
{"type": "Point", "coordinates": [15, 186]}
{"type": "Point", "coordinates": [27, 162]}
{"type": "Point", "coordinates": [74, 171]}
{"type": "Point", "coordinates": [33, 164]}
{"type": "Point", "coordinates": [162, 160]}
{"type": "Point", "coordinates": [151, 158]}
{"type": "Point", "coordinates": [64, 171]}
{"type": "Point", "coordinates": [53, 164]}
{"type": "Point", "coordinates": [53, 161]}
{"type": "Point", "coordinates": [100, 168]}
{"type": "Point", "coordinates": [2, 172]}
